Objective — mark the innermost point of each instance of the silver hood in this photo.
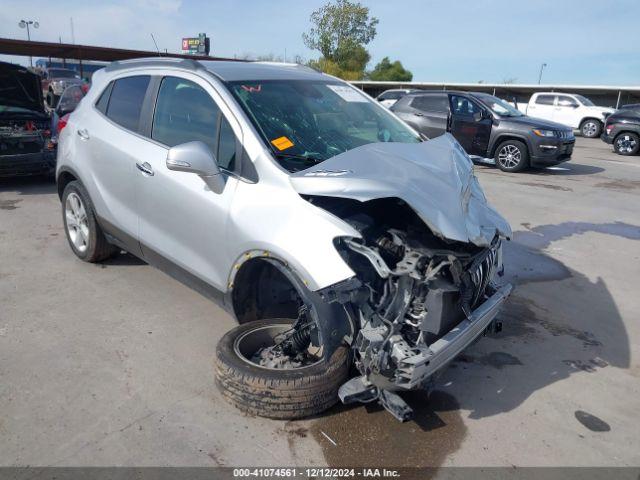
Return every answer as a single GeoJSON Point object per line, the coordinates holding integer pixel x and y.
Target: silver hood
{"type": "Point", "coordinates": [435, 178]}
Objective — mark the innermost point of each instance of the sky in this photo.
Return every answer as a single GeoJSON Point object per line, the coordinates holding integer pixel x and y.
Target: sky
{"type": "Point", "coordinates": [493, 41]}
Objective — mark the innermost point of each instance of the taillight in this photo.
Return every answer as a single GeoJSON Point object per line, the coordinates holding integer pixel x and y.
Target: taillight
{"type": "Point", "coordinates": [609, 128]}
{"type": "Point", "coordinates": [62, 123]}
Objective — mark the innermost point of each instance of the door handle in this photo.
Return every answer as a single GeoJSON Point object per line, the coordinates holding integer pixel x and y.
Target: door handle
{"type": "Point", "coordinates": [418, 114]}
{"type": "Point", "coordinates": [145, 168]}
{"type": "Point", "coordinates": [83, 133]}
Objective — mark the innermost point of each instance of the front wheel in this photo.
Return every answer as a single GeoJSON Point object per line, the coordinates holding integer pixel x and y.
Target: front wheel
{"type": "Point", "coordinates": [267, 386]}
{"type": "Point", "coordinates": [512, 156]}
{"type": "Point", "coordinates": [591, 128]}
{"type": "Point", "coordinates": [627, 143]}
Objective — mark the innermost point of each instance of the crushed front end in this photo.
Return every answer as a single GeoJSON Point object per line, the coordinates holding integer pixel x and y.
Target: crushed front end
{"type": "Point", "coordinates": [422, 299]}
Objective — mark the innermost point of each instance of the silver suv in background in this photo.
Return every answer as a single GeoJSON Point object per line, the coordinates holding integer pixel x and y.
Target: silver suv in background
{"type": "Point", "coordinates": [332, 232]}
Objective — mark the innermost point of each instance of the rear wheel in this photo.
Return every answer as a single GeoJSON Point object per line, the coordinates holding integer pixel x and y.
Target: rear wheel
{"type": "Point", "coordinates": [257, 382]}
{"type": "Point", "coordinates": [627, 143]}
{"type": "Point", "coordinates": [512, 156]}
{"type": "Point", "coordinates": [591, 128]}
{"type": "Point", "coordinates": [83, 232]}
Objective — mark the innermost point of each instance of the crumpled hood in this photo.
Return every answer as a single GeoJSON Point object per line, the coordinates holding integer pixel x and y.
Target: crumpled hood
{"type": "Point", "coordinates": [435, 178]}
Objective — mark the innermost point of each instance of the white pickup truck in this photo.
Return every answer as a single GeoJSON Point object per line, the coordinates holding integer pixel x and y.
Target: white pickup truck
{"type": "Point", "coordinates": [569, 109]}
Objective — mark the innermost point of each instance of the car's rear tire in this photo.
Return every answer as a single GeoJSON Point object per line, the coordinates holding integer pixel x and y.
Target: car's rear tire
{"type": "Point", "coordinates": [284, 393]}
{"type": "Point", "coordinates": [591, 128]}
{"type": "Point", "coordinates": [84, 235]}
{"type": "Point", "coordinates": [512, 156]}
{"type": "Point", "coordinates": [627, 143]}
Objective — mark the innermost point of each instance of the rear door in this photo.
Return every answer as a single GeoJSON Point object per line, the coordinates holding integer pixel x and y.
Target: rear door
{"type": "Point", "coordinates": [542, 106]}
{"type": "Point", "coordinates": [430, 113]}
{"type": "Point", "coordinates": [470, 125]}
{"type": "Point", "coordinates": [181, 220]}
{"type": "Point", "coordinates": [109, 139]}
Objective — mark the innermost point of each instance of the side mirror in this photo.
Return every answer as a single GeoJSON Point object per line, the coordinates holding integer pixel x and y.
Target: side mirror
{"type": "Point", "coordinates": [196, 157]}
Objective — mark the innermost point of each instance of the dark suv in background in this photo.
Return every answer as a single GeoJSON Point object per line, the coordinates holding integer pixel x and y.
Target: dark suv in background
{"type": "Point", "coordinates": [488, 127]}
{"type": "Point", "coordinates": [622, 130]}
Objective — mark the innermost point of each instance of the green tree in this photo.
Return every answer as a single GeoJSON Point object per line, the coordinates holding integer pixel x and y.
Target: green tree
{"type": "Point", "coordinates": [390, 71]}
{"type": "Point", "coordinates": [340, 31]}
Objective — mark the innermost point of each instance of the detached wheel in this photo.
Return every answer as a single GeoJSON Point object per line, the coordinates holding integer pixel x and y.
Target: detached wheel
{"type": "Point", "coordinates": [591, 128]}
{"type": "Point", "coordinates": [83, 232]}
{"type": "Point", "coordinates": [272, 389]}
{"type": "Point", "coordinates": [627, 143]}
{"type": "Point", "coordinates": [512, 156]}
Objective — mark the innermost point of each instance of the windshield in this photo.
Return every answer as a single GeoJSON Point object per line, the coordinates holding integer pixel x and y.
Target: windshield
{"type": "Point", "coordinates": [59, 73]}
{"type": "Point", "coordinates": [585, 101]}
{"type": "Point", "coordinates": [499, 106]}
{"type": "Point", "coordinates": [306, 122]}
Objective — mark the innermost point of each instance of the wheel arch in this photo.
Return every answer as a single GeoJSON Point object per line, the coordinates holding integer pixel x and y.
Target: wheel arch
{"type": "Point", "coordinates": [599, 120]}
{"type": "Point", "coordinates": [509, 136]}
{"type": "Point", "coordinates": [63, 178]}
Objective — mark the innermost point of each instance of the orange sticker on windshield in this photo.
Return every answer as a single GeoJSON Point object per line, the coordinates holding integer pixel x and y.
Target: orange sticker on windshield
{"type": "Point", "coordinates": [282, 143]}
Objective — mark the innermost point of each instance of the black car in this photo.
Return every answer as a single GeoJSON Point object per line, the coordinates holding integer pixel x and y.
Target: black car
{"type": "Point", "coordinates": [488, 127]}
{"type": "Point", "coordinates": [622, 129]}
{"type": "Point", "coordinates": [25, 132]}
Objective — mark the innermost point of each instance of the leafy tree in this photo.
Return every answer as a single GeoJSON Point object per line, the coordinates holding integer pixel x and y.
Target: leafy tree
{"type": "Point", "coordinates": [340, 31]}
{"type": "Point", "coordinates": [390, 71]}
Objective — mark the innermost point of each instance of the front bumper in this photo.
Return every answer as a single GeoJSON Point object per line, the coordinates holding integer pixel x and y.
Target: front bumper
{"type": "Point", "coordinates": [548, 152]}
{"type": "Point", "coordinates": [27, 163]}
{"type": "Point", "coordinates": [444, 350]}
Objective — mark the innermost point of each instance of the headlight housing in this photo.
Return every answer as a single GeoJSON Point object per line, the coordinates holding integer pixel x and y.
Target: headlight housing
{"type": "Point", "coordinates": [544, 133]}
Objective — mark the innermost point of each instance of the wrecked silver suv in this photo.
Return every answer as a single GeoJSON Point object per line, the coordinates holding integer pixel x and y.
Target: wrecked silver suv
{"type": "Point", "coordinates": [334, 233]}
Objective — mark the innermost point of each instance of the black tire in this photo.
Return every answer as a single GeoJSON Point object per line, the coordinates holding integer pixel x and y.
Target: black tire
{"type": "Point", "coordinates": [591, 128]}
{"type": "Point", "coordinates": [272, 393]}
{"type": "Point", "coordinates": [97, 247]}
{"type": "Point", "coordinates": [627, 143]}
{"type": "Point", "coordinates": [507, 165]}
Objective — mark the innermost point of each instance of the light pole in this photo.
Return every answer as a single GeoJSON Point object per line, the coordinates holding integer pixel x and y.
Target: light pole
{"type": "Point", "coordinates": [25, 24]}
{"type": "Point", "coordinates": [541, 69]}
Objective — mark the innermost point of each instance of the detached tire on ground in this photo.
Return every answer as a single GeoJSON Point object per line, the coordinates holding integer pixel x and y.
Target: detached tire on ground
{"type": "Point", "coordinates": [512, 156]}
{"type": "Point", "coordinates": [277, 393]}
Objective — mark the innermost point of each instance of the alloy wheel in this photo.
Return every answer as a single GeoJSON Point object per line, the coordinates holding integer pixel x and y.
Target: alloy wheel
{"type": "Point", "coordinates": [589, 129]}
{"type": "Point", "coordinates": [76, 219]}
{"type": "Point", "coordinates": [509, 156]}
{"type": "Point", "coordinates": [625, 144]}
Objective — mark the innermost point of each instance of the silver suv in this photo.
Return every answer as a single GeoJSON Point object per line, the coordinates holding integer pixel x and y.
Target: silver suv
{"type": "Point", "coordinates": [332, 231]}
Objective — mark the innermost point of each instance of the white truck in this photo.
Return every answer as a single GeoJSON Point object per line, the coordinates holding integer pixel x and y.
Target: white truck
{"type": "Point", "coordinates": [569, 109]}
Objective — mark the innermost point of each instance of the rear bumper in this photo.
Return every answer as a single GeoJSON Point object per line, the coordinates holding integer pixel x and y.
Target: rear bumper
{"type": "Point", "coordinates": [607, 138]}
{"type": "Point", "coordinates": [27, 163]}
{"type": "Point", "coordinates": [444, 350]}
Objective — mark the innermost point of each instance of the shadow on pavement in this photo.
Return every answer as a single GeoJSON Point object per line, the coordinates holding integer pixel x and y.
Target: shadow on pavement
{"type": "Point", "coordinates": [32, 185]}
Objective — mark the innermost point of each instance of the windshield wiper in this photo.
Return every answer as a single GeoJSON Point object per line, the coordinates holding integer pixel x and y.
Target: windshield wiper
{"type": "Point", "coordinates": [304, 158]}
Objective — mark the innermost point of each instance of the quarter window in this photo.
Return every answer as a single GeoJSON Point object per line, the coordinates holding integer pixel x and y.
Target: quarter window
{"type": "Point", "coordinates": [545, 99]}
{"type": "Point", "coordinates": [103, 101]}
{"type": "Point", "coordinates": [125, 102]}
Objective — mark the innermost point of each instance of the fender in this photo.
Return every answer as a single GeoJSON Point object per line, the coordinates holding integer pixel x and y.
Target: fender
{"type": "Point", "coordinates": [505, 136]}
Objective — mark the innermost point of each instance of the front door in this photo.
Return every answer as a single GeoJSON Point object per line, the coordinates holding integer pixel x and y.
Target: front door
{"type": "Point", "coordinates": [470, 125]}
{"type": "Point", "coordinates": [566, 111]}
{"type": "Point", "coordinates": [181, 221]}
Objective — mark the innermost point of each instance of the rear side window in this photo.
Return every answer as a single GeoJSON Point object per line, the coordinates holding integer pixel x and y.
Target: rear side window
{"type": "Point", "coordinates": [103, 101]}
{"type": "Point", "coordinates": [545, 99]}
{"type": "Point", "coordinates": [431, 103]}
{"type": "Point", "coordinates": [125, 102]}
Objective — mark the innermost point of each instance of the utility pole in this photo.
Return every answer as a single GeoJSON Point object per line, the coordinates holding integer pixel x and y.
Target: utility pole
{"type": "Point", "coordinates": [541, 69]}
{"type": "Point", "coordinates": [25, 24]}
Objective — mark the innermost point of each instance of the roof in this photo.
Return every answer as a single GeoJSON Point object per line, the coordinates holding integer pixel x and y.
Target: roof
{"type": "Point", "coordinates": [234, 71]}
{"type": "Point", "coordinates": [501, 86]}
{"type": "Point", "coordinates": [11, 46]}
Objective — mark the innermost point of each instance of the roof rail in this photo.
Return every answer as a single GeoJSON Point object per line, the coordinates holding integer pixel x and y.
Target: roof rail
{"type": "Point", "coordinates": [185, 63]}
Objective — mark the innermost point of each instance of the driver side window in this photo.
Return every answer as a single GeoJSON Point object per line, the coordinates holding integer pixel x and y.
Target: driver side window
{"type": "Point", "coordinates": [463, 106]}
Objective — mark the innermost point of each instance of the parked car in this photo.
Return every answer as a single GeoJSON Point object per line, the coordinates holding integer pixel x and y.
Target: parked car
{"type": "Point", "coordinates": [67, 103]}
{"type": "Point", "coordinates": [328, 227]}
{"type": "Point", "coordinates": [389, 97]}
{"type": "Point", "coordinates": [569, 109]}
{"type": "Point", "coordinates": [55, 80]}
{"type": "Point", "coordinates": [488, 127]}
{"type": "Point", "coordinates": [25, 144]}
{"type": "Point", "coordinates": [622, 130]}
